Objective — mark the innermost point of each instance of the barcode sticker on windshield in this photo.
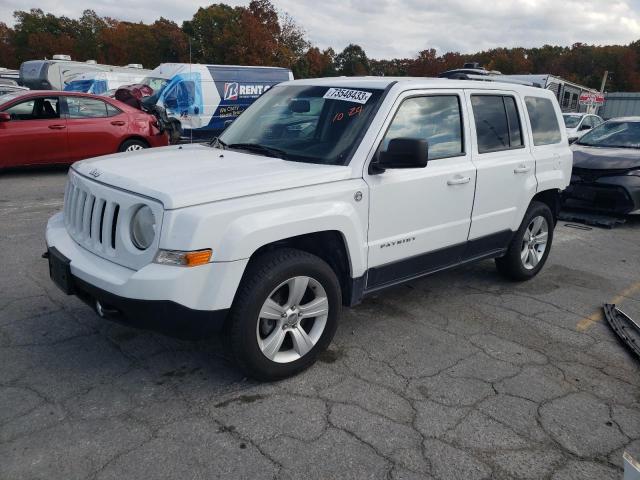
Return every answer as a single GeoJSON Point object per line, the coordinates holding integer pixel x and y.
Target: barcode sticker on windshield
{"type": "Point", "coordinates": [347, 95]}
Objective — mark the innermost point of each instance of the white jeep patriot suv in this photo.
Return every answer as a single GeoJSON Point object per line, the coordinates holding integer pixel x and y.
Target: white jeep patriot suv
{"type": "Point", "coordinates": [321, 193]}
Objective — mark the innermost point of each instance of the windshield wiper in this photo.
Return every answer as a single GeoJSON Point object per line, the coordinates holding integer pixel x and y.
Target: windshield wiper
{"type": "Point", "coordinates": [257, 148]}
{"type": "Point", "coordinates": [217, 143]}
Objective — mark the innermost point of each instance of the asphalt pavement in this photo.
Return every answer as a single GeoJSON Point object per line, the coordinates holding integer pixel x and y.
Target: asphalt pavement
{"type": "Point", "coordinates": [461, 375]}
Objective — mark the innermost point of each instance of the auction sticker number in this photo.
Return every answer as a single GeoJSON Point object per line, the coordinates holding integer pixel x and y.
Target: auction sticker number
{"type": "Point", "coordinates": [347, 95]}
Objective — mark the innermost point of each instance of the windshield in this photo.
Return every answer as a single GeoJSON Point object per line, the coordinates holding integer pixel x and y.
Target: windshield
{"type": "Point", "coordinates": [571, 121]}
{"type": "Point", "coordinates": [304, 123]}
{"type": "Point", "coordinates": [155, 83]}
{"type": "Point", "coordinates": [618, 134]}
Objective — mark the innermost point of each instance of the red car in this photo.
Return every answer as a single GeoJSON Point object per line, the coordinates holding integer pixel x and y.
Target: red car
{"type": "Point", "coordinates": [50, 127]}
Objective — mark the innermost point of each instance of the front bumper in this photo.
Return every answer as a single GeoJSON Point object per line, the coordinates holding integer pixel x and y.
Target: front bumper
{"type": "Point", "coordinates": [161, 316]}
{"type": "Point", "coordinates": [179, 301]}
{"type": "Point", "coordinates": [613, 194]}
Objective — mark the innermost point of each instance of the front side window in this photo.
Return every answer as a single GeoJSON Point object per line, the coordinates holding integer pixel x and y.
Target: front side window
{"type": "Point", "coordinates": [497, 123]}
{"type": "Point", "coordinates": [155, 83]}
{"type": "Point", "coordinates": [436, 119]}
{"type": "Point", "coordinates": [181, 96]}
{"type": "Point", "coordinates": [35, 109]}
{"type": "Point", "coordinates": [313, 124]}
{"type": "Point", "coordinates": [544, 122]}
{"type": "Point", "coordinates": [80, 107]}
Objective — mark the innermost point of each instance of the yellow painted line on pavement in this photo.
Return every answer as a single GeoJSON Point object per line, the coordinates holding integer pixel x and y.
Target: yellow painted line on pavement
{"type": "Point", "coordinates": [598, 316]}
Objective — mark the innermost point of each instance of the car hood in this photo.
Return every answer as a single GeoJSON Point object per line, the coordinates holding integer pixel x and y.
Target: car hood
{"type": "Point", "coordinates": [181, 176]}
{"type": "Point", "coordinates": [596, 158]}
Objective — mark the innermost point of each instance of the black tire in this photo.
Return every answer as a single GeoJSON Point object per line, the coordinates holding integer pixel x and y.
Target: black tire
{"type": "Point", "coordinates": [263, 275]}
{"type": "Point", "coordinates": [511, 265]}
{"type": "Point", "coordinates": [133, 144]}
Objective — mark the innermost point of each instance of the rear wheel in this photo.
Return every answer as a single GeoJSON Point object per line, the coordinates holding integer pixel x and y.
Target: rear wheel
{"type": "Point", "coordinates": [530, 245]}
{"type": "Point", "coordinates": [285, 313]}
{"type": "Point", "coordinates": [133, 145]}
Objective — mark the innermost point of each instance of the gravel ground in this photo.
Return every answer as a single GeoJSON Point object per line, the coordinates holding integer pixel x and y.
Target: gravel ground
{"type": "Point", "coordinates": [457, 376]}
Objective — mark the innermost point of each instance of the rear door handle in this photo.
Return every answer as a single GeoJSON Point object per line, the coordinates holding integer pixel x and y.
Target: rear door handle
{"type": "Point", "coordinates": [458, 180]}
{"type": "Point", "coordinates": [57, 127]}
{"type": "Point", "coordinates": [522, 169]}
{"type": "Point", "coordinates": [117, 123]}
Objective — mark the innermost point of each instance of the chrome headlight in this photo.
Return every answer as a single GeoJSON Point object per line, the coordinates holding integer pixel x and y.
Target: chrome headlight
{"type": "Point", "coordinates": [143, 228]}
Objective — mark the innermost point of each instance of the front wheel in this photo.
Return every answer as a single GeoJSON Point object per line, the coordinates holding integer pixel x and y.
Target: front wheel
{"type": "Point", "coordinates": [285, 313]}
{"type": "Point", "coordinates": [530, 246]}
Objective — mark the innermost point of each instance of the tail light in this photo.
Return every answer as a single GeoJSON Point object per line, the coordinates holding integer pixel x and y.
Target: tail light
{"type": "Point", "coordinates": [154, 127]}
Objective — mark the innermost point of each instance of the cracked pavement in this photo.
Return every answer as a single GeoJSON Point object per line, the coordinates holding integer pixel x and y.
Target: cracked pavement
{"type": "Point", "coordinates": [460, 375]}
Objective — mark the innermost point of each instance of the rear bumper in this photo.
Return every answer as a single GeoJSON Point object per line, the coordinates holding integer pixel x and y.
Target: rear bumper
{"type": "Point", "coordinates": [619, 195]}
{"type": "Point", "coordinates": [159, 140]}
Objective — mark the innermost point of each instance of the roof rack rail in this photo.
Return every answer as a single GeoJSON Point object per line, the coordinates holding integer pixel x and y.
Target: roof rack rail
{"type": "Point", "coordinates": [462, 75]}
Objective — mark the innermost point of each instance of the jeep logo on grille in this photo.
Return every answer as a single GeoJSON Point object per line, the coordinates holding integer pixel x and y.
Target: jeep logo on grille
{"type": "Point", "coordinates": [95, 173]}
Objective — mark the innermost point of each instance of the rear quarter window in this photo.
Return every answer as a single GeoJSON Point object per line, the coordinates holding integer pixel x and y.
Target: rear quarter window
{"type": "Point", "coordinates": [544, 121]}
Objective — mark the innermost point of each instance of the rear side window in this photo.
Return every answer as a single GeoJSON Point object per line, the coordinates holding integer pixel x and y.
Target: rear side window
{"type": "Point", "coordinates": [497, 123]}
{"type": "Point", "coordinates": [544, 122]}
{"type": "Point", "coordinates": [436, 119]}
{"type": "Point", "coordinates": [112, 111]}
{"type": "Point", "coordinates": [82, 107]}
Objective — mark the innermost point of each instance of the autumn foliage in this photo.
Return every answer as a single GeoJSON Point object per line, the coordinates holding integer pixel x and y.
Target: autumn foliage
{"type": "Point", "coordinates": [260, 35]}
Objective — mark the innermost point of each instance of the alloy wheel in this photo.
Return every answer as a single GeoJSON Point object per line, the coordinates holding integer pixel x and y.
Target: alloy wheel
{"type": "Point", "coordinates": [292, 319]}
{"type": "Point", "coordinates": [134, 147]}
{"type": "Point", "coordinates": [534, 242]}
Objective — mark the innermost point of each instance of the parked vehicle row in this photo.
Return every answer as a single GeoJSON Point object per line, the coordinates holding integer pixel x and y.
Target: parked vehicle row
{"type": "Point", "coordinates": [606, 168]}
{"type": "Point", "coordinates": [204, 99]}
{"type": "Point", "coordinates": [51, 127]}
{"type": "Point", "coordinates": [321, 193]}
{"type": "Point", "coordinates": [577, 124]}
{"type": "Point", "coordinates": [58, 72]}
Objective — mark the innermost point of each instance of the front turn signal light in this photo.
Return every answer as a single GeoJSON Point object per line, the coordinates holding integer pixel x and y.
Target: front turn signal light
{"type": "Point", "coordinates": [184, 259]}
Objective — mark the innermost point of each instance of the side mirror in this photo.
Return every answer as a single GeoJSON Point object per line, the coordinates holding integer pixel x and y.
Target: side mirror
{"type": "Point", "coordinates": [585, 127]}
{"type": "Point", "coordinates": [403, 153]}
{"type": "Point", "coordinates": [5, 117]}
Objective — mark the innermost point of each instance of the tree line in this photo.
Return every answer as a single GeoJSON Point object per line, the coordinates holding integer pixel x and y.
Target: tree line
{"type": "Point", "coordinates": [260, 35]}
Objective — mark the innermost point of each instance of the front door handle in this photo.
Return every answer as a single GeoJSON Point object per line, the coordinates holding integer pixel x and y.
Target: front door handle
{"type": "Point", "coordinates": [57, 127]}
{"type": "Point", "coordinates": [117, 123]}
{"type": "Point", "coordinates": [522, 169]}
{"type": "Point", "coordinates": [458, 180]}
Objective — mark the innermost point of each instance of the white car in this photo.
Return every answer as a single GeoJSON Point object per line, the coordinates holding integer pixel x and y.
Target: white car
{"type": "Point", "coordinates": [324, 191]}
{"type": "Point", "coordinates": [577, 124]}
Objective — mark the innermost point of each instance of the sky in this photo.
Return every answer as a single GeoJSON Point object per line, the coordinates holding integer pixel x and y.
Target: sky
{"type": "Point", "coordinates": [402, 28]}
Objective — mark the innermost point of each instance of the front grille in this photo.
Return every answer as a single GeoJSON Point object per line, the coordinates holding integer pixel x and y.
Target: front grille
{"type": "Point", "coordinates": [91, 219]}
{"type": "Point", "coordinates": [603, 198]}
{"type": "Point", "coordinates": [97, 217]}
{"type": "Point", "coordinates": [591, 175]}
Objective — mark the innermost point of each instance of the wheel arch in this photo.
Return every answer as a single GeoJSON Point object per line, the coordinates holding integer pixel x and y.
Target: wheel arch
{"type": "Point", "coordinates": [329, 245]}
{"type": "Point", "coordinates": [551, 198]}
{"type": "Point", "coordinates": [134, 137]}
